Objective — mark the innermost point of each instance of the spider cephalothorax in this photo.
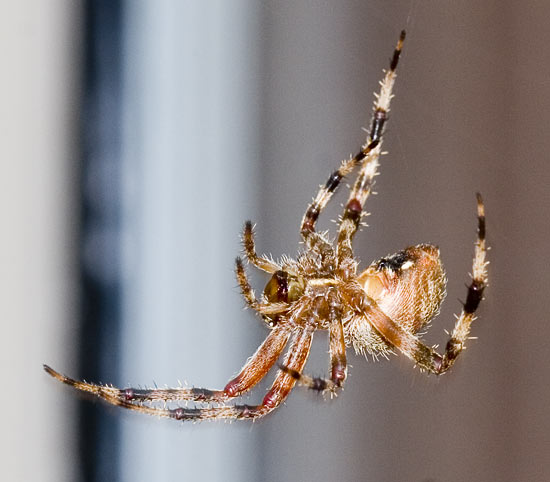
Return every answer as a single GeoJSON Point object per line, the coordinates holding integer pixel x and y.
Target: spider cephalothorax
{"type": "Point", "coordinates": [378, 310]}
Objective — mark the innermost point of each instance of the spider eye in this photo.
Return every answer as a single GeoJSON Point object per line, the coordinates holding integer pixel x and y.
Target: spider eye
{"type": "Point", "coordinates": [284, 288]}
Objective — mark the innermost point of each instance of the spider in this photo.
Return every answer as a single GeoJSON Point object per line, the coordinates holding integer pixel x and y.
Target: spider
{"type": "Point", "coordinates": [379, 310]}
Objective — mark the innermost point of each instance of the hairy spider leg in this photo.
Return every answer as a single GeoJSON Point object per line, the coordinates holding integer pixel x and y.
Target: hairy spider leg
{"type": "Point", "coordinates": [248, 293]}
{"type": "Point", "coordinates": [325, 194]}
{"type": "Point", "coordinates": [261, 262]}
{"type": "Point", "coordinates": [424, 356]}
{"type": "Point", "coordinates": [116, 395]}
{"type": "Point", "coordinates": [354, 210]}
{"type": "Point", "coordinates": [259, 364]}
{"type": "Point", "coordinates": [295, 359]}
{"type": "Point", "coordinates": [381, 108]}
{"type": "Point", "coordinates": [337, 350]}
{"type": "Point", "coordinates": [253, 371]}
{"type": "Point", "coordinates": [338, 362]}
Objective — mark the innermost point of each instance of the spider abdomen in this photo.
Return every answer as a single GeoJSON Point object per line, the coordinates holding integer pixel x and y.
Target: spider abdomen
{"type": "Point", "coordinates": [408, 286]}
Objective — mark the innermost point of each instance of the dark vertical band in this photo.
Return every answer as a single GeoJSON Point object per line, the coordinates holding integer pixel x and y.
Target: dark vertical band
{"type": "Point", "coordinates": [100, 282]}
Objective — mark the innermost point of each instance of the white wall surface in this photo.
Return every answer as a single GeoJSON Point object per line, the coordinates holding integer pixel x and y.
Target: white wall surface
{"type": "Point", "coordinates": [39, 44]}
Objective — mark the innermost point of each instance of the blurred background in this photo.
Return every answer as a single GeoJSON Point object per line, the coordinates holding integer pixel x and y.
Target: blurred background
{"type": "Point", "coordinates": [138, 136]}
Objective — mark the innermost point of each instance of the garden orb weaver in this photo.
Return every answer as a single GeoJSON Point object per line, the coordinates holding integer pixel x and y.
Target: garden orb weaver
{"type": "Point", "coordinates": [377, 311]}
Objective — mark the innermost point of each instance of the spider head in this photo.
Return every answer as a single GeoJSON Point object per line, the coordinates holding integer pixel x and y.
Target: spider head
{"type": "Point", "coordinates": [408, 286]}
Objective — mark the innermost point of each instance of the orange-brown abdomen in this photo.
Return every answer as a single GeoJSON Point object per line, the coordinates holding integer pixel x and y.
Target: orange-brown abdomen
{"type": "Point", "coordinates": [408, 286]}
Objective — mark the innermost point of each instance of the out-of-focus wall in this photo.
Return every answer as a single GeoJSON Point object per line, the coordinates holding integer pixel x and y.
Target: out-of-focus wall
{"type": "Point", "coordinates": [39, 52]}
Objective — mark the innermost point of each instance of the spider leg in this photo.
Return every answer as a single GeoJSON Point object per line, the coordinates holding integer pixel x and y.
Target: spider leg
{"type": "Point", "coordinates": [283, 384]}
{"type": "Point", "coordinates": [250, 297]}
{"type": "Point", "coordinates": [110, 393]}
{"type": "Point", "coordinates": [325, 194]}
{"type": "Point", "coordinates": [475, 294]}
{"type": "Point", "coordinates": [295, 359]}
{"type": "Point", "coordinates": [258, 364]}
{"type": "Point", "coordinates": [261, 262]}
{"type": "Point", "coordinates": [338, 362]}
{"type": "Point", "coordinates": [381, 108]}
{"type": "Point", "coordinates": [252, 372]}
{"type": "Point", "coordinates": [424, 356]}
{"type": "Point", "coordinates": [368, 157]}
